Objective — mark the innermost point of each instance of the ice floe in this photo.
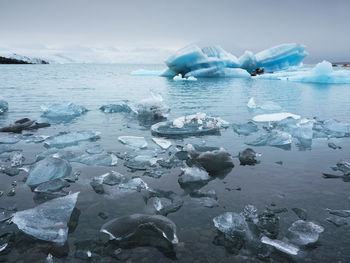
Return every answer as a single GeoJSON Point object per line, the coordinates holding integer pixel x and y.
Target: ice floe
{"type": "Point", "coordinates": [65, 111]}
{"type": "Point", "coordinates": [65, 139]}
{"type": "Point", "coordinates": [274, 117]}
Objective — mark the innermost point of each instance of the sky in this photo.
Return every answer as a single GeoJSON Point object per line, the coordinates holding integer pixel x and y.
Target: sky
{"type": "Point", "coordinates": [151, 25]}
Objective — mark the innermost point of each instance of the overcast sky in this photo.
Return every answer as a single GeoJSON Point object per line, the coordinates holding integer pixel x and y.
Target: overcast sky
{"type": "Point", "coordinates": [323, 26]}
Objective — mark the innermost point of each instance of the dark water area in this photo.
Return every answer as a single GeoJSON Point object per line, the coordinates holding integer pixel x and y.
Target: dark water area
{"type": "Point", "coordinates": [283, 178]}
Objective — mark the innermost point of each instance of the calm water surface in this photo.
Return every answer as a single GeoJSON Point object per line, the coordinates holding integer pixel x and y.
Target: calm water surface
{"type": "Point", "coordinates": [296, 183]}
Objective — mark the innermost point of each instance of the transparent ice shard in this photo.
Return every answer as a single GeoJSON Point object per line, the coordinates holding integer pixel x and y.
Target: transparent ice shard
{"type": "Point", "coordinates": [65, 139]}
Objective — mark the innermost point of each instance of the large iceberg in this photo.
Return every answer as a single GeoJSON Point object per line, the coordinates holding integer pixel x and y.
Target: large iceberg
{"type": "Point", "coordinates": [214, 61]}
{"type": "Point", "coordinates": [49, 220]}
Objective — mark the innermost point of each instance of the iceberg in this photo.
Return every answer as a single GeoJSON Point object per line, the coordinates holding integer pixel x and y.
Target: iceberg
{"type": "Point", "coordinates": [48, 169]}
{"type": "Point", "coordinates": [281, 57]}
{"type": "Point", "coordinates": [65, 139]}
{"type": "Point", "coordinates": [141, 229]}
{"type": "Point", "coordinates": [49, 220]}
{"type": "Point", "coordinates": [213, 61]}
{"type": "Point", "coordinates": [65, 111]}
{"type": "Point", "coordinates": [248, 61]}
{"type": "Point", "coordinates": [323, 72]}
{"type": "Point", "coordinates": [275, 117]}
{"type": "Point", "coordinates": [4, 106]}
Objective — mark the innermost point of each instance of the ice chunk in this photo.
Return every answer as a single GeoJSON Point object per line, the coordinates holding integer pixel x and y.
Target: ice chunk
{"type": "Point", "coordinates": [274, 138]}
{"type": "Point", "coordinates": [17, 159]}
{"type": "Point", "coordinates": [208, 202]}
{"type": "Point", "coordinates": [141, 228]}
{"type": "Point", "coordinates": [114, 108]}
{"type": "Point", "coordinates": [5, 148]}
{"type": "Point", "coordinates": [151, 109]}
{"type": "Point", "coordinates": [300, 212]}
{"type": "Point", "coordinates": [204, 193]}
{"type": "Point", "coordinates": [341, 213]}
{"type": "Point", "coordinates": [146, 72]}
{"type": "Point", "coordinates": [97, 149]}
{"type": "Point", "coordinates": [193, 175]}
{"type": "Point", "coordinates": [343, 166]}
{"type": "Point", "coordinates": [247, 157]}
{"type": "Point", "coordinates": [65, 111]}
{"type": "Point", "coordinates": [337, 221]}
{"type": "Point", "coordinates": [336, 128]}
{"type": "Point", "coordinates": [281, 245]}
{"type": "Point", "coordinates": [211, 160]}
{"type": "Point", "coordinates": [266, 106]}
{"type": "Point", "coordinates": [233, 225]}
{"type": "Point", "coordinates": [275, 117]}
{"type": "Point", "coordinates": [196, 124]}
{"type": "Point", "coordinates": [9, 140]}
{"type": "Point", "coordinates": [304, 233]}
{"type": "Point", "coordinates": [281, 57]}
{"type": "Point", "coordinates": [49, 220]}
{"type": "Point", "coordinates": [103, 159]}
{"type": "Point", "coordinates": [322, 73]}
{"type": "Point", "coordinates": [251, 103]}
{"type": "Point", "coordinates": [48, 169]}
{"type": "Point", "coordinates": [164, 144]}
{"type": "Point", "coordinates": [51, 186]}
{"type": "Point", "coordinates": [133, 141]}
{"type": "Point", "coordinates": [164, 202]}
{"type": "Point", "coordinates": [180, 78]}
{"type": "Point", "coordinates": [250, 214]}
{"type": "Point", "coordinates": [65, 139]}
{"type": "Point", "coordinates": [4, 106]}
{"type": "Point", "coordinates": [245, 129]}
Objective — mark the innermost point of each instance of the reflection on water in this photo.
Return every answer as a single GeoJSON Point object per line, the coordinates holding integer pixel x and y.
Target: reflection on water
{"type": "Point", "coordinates": [295, 181]}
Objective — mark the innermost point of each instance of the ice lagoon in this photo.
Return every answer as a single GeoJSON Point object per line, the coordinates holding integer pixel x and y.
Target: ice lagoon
{"type": "Point", "coordinates": [288, 207]}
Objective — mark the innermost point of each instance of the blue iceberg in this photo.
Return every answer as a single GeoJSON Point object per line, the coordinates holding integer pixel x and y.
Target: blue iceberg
{"type": "Point", "coordinates": [213, 61]}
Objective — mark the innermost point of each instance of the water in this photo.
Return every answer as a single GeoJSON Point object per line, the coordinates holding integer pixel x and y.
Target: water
{"type": "Point", "coordinates": [296, 183]}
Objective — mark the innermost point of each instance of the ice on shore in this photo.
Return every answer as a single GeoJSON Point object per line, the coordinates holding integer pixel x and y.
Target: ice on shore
{"type": "Point", "coordinates": [65, 111]}
{"type": "Point", "coordinates": [48, 169]}
{"type": "Point", "coordinates": [65, 139]}
{"type": "Point", "coordinates": [4, 106]}
{"type": "Point", "coordinates": [49, 220]}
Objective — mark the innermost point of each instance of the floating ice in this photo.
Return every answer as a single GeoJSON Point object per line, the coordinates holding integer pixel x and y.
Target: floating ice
{"type": "Point", "coordinates": [211, 160]}
{"type": "Point", "coordinates": [304, 233]}
{"type": "Point", "coordinates": [247, 157]}
{"type": "Point", "coordinates": [196, 124]}
{"type": "Point", "coordinates": [336, 128]}
{"type": "Point", "coordinates": [215, 72]}
{"type": "Point", "coordinates": [65, 139]}
{"type": "Point", "coordinates": [338, 221]}
{"type": "Point", "coordinates": [208, 202]}
{"type": "Point", "coordinates": [164, 202]}
{"type": "Point", "coordinates": [5, 148]}
{"type": "Point", "coordinates": [133, 141]}
{"type": "Point", "coordinates": [17, 159]}
{"type": "Point", "coordinates": [343, 166]}
{"type": "Point", "coordinates": [51, 186]}
{"type": "Point", "coordinates": [49, 220]}
{"type": "Point", "coordinates": [341, 213]}
{"type": "Point", "coordinates": [97, 149]}
{"type": "Point", "coordinates": [141, 229]}
{"type": "Point", "coordinates": [245, 129]}
{"type": "Point", "coordinates": [248, 61]}
{"type": "Point", "coordinates": [275, 117]}
{"type": "Point", "coordinates": [180, 78]}
{"type": "Point", "coordinates": [9, 140]}
{"type": "Point", "coordinates": [204, 193]}
{"type": "Point", "coordinates": [4, 106]}
{"type": "Point", "coordinates": [193, 175]}
{"type": "Point", "coordinates": [48, 169]}
{"type": "Point", "coordinates": [151, 109]}
{"type": "Point", "coordinates": [103, 159]}
{"type": "Point", "coordinates": [65, 111]}
{"type": "Point", "coordinates": [164, 144]}
{"type": "Point", "coordinates": [273, 138]}
{"type": "Point", "coordinates": [323, 73]}
{"type": "Point", "coordinates": [146, 72]}
{"type": "Point", "coordinates": [116, 108]}
{"type": "Point", "coordinates": [233, 225]}
{"type": "Point", "coordinates": [266, 106]}
{"type": "Point", "coordinates": [281, 245]}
